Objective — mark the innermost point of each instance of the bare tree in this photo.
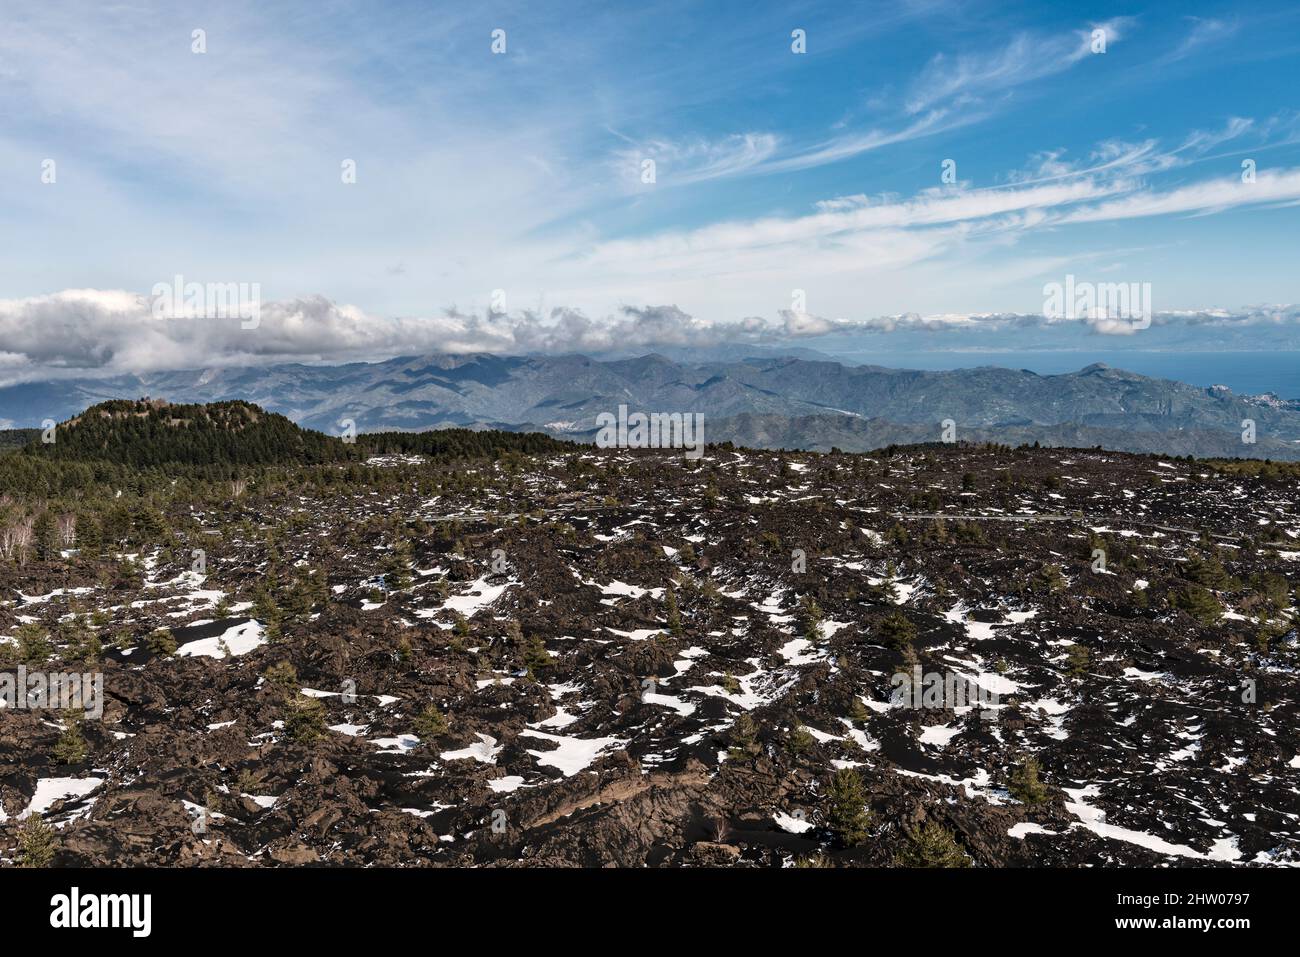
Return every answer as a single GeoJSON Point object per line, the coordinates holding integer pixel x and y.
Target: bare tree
{"type": "Point", "coordinates": [19, 536]}
{"type": "Point", "coordinates": [67, 523]}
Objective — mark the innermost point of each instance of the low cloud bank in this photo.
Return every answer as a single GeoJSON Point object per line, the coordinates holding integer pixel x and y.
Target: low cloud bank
{"type": "Point", "coordinates": [89, 331]}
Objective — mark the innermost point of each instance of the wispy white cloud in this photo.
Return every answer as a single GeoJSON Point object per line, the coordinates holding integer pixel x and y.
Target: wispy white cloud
{"type": "Point", "coordinates": [950, 93]}
{"type": "Point", "coordinates": [1214, 195]}
{"type": "Point", "coordinates": [967, 79]}
{"type": "Point", "coordinates": [1204, 32]}
{"type": "Point", "coordinates": [849, 144]}
{"type": "Point", "coordinates": [679, 163]}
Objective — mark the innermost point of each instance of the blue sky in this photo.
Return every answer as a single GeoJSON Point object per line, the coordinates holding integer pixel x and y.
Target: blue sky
{"type": "Point", "coordinates": [522, 171]}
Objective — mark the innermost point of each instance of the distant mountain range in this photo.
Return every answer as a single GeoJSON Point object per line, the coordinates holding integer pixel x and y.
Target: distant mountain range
{"type": "Point", "coordinates": [771, 402]}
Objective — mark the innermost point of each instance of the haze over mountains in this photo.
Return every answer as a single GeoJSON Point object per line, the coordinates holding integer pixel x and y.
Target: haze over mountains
{"type": "Point", "coordinates": [775, 402]}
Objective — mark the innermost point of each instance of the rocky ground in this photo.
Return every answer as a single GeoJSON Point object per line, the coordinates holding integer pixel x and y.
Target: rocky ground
{"type": "Point", "coordinates": [639, 660]}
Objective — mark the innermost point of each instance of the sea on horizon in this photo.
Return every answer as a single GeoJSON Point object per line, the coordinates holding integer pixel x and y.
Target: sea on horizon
{"type": "Point", "coordinates": [1245, 373]}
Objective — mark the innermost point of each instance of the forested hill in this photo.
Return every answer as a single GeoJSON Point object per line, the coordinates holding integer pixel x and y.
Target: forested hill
{"type": "Point", "coordinates": [148, 433]}
{"type": "Point", "coordinates": [17, 438]}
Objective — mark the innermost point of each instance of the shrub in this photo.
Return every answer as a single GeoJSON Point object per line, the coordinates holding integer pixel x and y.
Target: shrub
{"type": "Point", "coordinates": [430, 725]}
{"type": "Point", "coordinates": [88, 647]}
{"type": "Point", "coordinates": [801, 740]}
{"type": "Point", "coordinates": [33, 643]}
{"type": "Point", "coordinates": [744, 738]}
{"type": "Point", "coordinates": [282, 676]}
{"type": "Point", "coordinates": [859, 712]}
{"type": "Point", "coordinates": [1050, 579]}
{"type": "Point", "coordinates": [932, 845]}
{"type": "Point", "coordinates": [304, 718]}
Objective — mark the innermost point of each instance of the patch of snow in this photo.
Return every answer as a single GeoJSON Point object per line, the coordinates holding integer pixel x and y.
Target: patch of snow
{"type": "Point", "coordinates": [238, 640]}
{"type": "Point", "coordinates": [49, 791]}
{"type": "Point", "coordinates": [572, 754]}
{"type": "Point", "coordinates": [485, 750]}
{"type": "Point", "coordinates": [791, 824]}
{"type": "Point", "coordinates": [939, 734]}
{"type": "Point", "coordinates": [480, 595]}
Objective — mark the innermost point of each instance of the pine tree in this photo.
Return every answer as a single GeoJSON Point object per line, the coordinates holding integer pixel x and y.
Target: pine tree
{"type": "Point", "coordinates": [744, 738]}
{"type": "Point", "coordinates": [812, 619]}
{"type": "Point", "coordinates": [430, 725]}
{"type": "Point", "coordinates": [36, 842]}
{"type": "Point", "coordinates": [397, 564]}
{"type": "Point", "coordinates": [304, 718]}
{"type": "Point", "coordinates": [931, 845]}
{"type": "Point", "coordinates": [34, 646]}
{"type": "Point", "coordinates": [889, 586]}
{"type": "Point", "coordinates": [1078, 659]}
{"type": "Point", "coordinates": [265, 609]}
{"type": "Point", "coordinates": [45, 537]}
{"type": "Point", "coordinates": [847, 815]}
{"type": "Point", "coordinates": [896, 630]}
{"type": "Point", "coordinates": [71, 748]}
{"type": "Point", "coordinates": [801, 740]}
{"type": "Point", "coordinates": [161, 642]}
{"type": "Point", "coordinates": [90, 537]}
{"type": "Point", "coordinates": [1198, 602]}
{"type": "Point", "coordinates": [283, 677]}
{"type": "Point", "coordinates": [535, 656]}
{"type": "Point", "coordinates": [1024, 785]}
{"type": "Point", "coordinates": [673, 615]}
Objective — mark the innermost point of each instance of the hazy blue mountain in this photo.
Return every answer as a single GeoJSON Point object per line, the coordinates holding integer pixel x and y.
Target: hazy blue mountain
{"type": "Point", "coordinates": [782, 401]}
